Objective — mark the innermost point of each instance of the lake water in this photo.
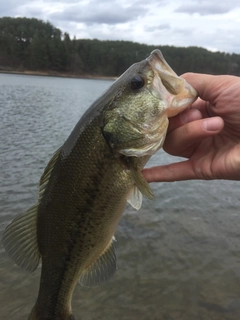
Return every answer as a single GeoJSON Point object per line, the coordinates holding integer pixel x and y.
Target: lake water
{"type": "Point", "coordinates": [179, 256]}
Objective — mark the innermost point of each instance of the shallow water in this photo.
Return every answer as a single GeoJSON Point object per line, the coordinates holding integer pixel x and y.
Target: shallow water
{"type": "Point", "coordinates": [178, 255]}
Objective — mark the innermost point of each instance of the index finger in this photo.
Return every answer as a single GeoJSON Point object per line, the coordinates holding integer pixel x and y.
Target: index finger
{"type": "Point", "coordinates": [209, 87]}
{"type": "Point", "coordinates": [184, 117]}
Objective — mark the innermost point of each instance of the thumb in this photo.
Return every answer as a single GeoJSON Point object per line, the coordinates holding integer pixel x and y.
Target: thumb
{"type": "Point", "coordinates": [181, 141]}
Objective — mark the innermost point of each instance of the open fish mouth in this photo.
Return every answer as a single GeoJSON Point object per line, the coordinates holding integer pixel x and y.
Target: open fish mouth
{"type": "Point", "coordinates": [172, 86]}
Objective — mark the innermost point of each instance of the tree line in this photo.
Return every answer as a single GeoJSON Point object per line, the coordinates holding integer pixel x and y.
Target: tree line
{"type": "Point", "coordinates": [32, 44]}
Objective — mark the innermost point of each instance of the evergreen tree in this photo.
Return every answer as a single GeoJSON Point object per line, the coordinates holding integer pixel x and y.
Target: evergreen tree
{"type": "Point", "coordinates": [37, 45]}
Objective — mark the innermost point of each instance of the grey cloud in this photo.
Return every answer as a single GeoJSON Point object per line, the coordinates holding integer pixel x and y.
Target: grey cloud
{"type": "Point", "coordinates": [206, 8]}
{"type": "Point", "coordinates": [145, 21]}
{"type": "Point", "coordinates": [108, 13]}
{"type": "Point", "coordinates": [23, 8]}
{"type": "Point", "coordinates": [10, 7]}
{"type": "Point", "coordinates": [164, 26]}
{"type": "Point", "coordinates": [69, 2]}
{"type": "Point", "coordinates": [159, 3]}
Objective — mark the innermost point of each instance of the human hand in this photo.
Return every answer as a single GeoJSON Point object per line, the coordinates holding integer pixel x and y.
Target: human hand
{"type": "Point", "coordinates": [207, 134]}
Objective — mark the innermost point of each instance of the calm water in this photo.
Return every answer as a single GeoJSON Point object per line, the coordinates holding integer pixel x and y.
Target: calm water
{"type": "Point", "coordinates": [178, 256]}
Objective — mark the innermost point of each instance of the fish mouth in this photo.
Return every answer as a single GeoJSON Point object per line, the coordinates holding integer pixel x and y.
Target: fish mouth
{"type": "Point", "coordinates": [171, 87]}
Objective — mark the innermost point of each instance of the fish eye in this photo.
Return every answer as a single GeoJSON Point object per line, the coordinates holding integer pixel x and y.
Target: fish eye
{"type": "Point", "coordinates": [137, 82]}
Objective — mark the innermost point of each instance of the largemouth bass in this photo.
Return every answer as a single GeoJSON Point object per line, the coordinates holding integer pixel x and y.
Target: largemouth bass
{"type": "Point", "coordinates": [87, 183]}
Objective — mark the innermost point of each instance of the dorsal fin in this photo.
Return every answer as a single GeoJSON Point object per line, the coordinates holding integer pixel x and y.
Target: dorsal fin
{"type": "Point", "coordinates": [20, 237]}
{"type": "Point", "coordinates": [101, 269]}
{"type": "Point", "coordinates": [20, 240]}
{"type": "Point", "coordinates": [47, 173]}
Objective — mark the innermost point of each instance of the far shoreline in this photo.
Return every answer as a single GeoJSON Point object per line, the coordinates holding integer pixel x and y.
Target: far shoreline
{"type": "Point", "coordinates": [58, 74]}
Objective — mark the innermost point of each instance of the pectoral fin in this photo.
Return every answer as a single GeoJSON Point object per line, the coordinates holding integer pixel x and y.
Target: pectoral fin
{"type": "Point", "coordinates": [135, 198]}
{"type": "Point", "coordinates": [100, 270]}
{"type": "Point", "coordinates": [20, 240]}
{"type": "Point", "coordinates": [140, 182]}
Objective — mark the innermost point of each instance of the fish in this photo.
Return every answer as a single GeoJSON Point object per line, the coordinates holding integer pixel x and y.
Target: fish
{"type": "Point", "coordinates": [86, 185]}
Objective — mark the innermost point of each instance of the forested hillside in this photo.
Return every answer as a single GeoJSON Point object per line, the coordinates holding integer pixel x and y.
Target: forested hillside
{"type": "Point", "coordinates": [32, 44]}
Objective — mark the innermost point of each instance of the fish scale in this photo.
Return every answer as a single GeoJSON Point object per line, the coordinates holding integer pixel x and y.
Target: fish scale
{"type": "Point", "coordinates": [87, 183]}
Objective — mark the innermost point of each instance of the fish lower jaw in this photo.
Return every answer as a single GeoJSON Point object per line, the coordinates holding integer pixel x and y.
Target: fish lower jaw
{"type": "Point", "coordinates": [177, 107]}
{"type": "Point", "coordinates": [149, 149]}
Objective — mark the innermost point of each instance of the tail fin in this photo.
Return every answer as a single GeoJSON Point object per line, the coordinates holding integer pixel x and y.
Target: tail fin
{"type": "Point", "coordinates": [42, 315]}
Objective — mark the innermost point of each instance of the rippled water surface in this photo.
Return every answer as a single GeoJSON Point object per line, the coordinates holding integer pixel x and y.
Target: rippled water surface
{"type": "Point", "coordinates": [179, 255]}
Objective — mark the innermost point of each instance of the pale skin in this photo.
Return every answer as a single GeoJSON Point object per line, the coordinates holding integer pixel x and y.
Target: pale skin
{"type": "Point", "coordinates": [207, 134]}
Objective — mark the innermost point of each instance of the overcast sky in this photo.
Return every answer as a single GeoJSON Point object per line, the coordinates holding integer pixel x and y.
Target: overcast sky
{"type": "Point", "coordinates": [212, 24]}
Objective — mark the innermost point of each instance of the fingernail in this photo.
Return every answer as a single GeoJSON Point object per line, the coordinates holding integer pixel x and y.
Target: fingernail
{"type": "Point", "coordinates": [212, 124]}
{"type": "Point", "coordinates": [190, 115]}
